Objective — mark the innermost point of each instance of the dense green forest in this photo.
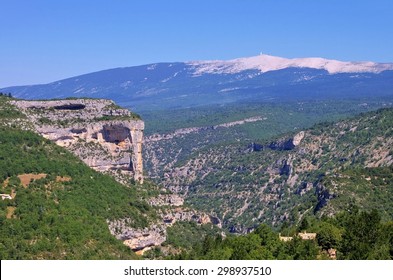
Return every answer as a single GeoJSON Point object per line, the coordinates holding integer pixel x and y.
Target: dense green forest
{"type": "Point", "coordinates": [354, 234]}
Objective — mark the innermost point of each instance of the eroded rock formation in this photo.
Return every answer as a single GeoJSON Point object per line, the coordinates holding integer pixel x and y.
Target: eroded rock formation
{"type": "Point", "coordinates": [137, 239]}
{"type": "Point", "coordinates": [287, 144]}
{"type": "Point", "coordinates": [140, 239]}
{"type": "Point", "coordinates": [105, 136]}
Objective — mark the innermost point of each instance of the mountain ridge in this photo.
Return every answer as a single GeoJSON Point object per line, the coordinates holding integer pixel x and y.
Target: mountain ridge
{"type": "Point", "coordinates": [266, 63]}
{"type": "Point", "coordinates": [193, 84]}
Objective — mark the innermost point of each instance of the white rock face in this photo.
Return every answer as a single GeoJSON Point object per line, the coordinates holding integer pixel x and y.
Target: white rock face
{"type": "Point", "coordinates": [298, 138]}
{"type": "Point", "coordinates": [139, 239]}
{"type": "Point", "coordinates": [103, 135]}
{"type": "Point", "coordinates": [265, 63]}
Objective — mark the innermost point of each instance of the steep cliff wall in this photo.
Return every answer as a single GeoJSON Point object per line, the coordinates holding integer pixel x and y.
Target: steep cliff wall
{"type": "Point", "coordinates": [105, 136]}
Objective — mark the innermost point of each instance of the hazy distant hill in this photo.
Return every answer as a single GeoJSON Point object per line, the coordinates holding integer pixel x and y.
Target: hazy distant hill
{"type": "Point", "coordinates": [188, 84]}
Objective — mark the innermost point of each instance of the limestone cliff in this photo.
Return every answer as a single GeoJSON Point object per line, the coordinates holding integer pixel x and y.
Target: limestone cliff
{"type": "Point", "coordinates": [105, 136]}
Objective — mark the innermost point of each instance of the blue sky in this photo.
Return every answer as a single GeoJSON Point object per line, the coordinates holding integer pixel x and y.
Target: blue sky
{"type": "Point", "coordinates": [44, 40]}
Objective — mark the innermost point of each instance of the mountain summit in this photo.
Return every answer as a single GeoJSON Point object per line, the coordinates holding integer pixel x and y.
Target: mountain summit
{"type": "Point", "coordinates": [265, 63]}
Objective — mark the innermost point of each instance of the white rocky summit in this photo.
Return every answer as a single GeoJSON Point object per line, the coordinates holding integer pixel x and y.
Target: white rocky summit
{"type": "Point", "coordinates": [266, 63]}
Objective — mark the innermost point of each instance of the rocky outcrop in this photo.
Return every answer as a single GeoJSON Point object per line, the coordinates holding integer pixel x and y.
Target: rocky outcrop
{"type": "Point", "coordinates": [282, 166]}
{"type": "Point", "coordinates": [283, 144]}
{"type": "Point", "coordinates": [303, 188]}
{"type": "Point", "coordinates": [181, 214]}
{"type": "Point", "coordinates": [287, 144]}
{"type": "Point", "coordinates": [255, 147]}
{"type": "Point", "coordinates": [323, 195]}
{"type": "Point", "coordinates": [167, 200]}
{"type": "Point", "coordinates": [298, 138]}
{"type": "Point", "coordinates": [137, 239]}
{"type": "Point", "coordinates": [141, 239]}
{"type": "Point", "coordinates": [286, 168]}
{"type": "Point", "coordinates": [105, 136]}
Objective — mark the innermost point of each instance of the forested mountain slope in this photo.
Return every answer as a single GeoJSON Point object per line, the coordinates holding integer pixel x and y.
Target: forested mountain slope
{"type": "Point", "coordinates": [58, 207]}
{"type": "Point", "coordinates": [316, 171]}
{"type": "Point", "coordinates": [55, 207]}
